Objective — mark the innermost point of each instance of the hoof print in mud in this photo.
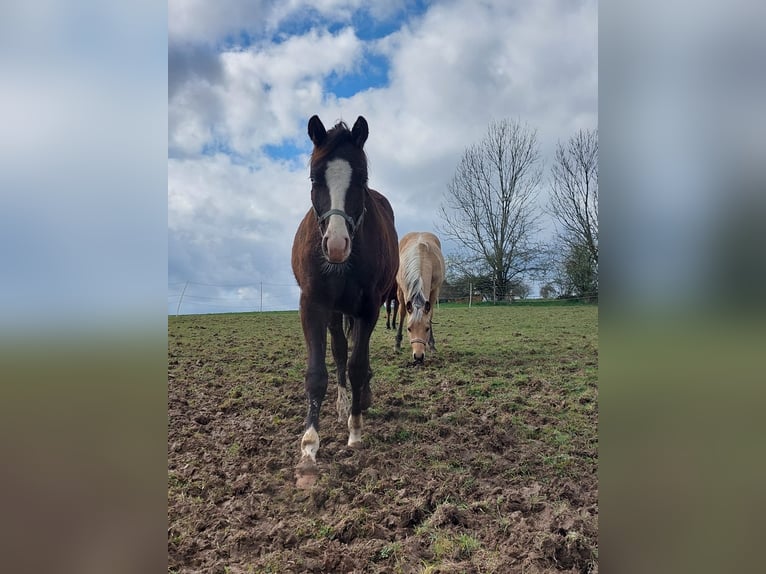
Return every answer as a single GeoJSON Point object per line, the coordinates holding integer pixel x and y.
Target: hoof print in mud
{"type": "Point", "coordinates": [306, 474]}
{"type": "Point", "coordinates": [305, 480]}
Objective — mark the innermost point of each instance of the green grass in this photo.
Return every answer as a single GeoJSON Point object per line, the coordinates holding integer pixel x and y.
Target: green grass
{"type": "Point", "coordinates": [508, 400]}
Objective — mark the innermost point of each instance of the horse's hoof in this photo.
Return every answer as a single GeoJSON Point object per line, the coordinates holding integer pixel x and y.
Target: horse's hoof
{"type": "Point", "coordinates": [306, 473]}
{"type": "Point", "coordinates": [356, 445]}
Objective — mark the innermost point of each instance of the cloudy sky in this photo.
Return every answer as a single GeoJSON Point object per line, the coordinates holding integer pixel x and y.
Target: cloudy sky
{"type": "Point", "coordinates": [244, 76]}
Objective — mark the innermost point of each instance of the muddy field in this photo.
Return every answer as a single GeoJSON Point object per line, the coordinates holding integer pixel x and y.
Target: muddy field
{"type": "Point", "coordinates": [483, 460]}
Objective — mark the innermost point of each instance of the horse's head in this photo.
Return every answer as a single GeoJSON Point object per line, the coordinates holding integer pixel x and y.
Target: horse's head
{"type": "Point", "coordinates": [419, 326]}
{"type": "Point", "coordinates": [338, 184]}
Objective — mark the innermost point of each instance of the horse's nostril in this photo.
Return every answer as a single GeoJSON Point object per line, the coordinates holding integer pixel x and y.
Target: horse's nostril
{"type": "Point", "coordinates": [324, 245]}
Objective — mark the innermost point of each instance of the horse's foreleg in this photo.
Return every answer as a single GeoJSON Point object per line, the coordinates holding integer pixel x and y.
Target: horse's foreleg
{"type": "Point", "coordinates": [393, 316]}
{"type": "Point", "coordinates": [402, 311]}
{"type": "Point", "coordinates": [434, 301]}
{"type": "Point", "coordinates": [359, 375]}
{"type": "Point", "coordinates": [315, 331]}
{"type": "Point", "coordinates": [431, 340]}
{"type": "Point", "coordinates": [339, 346]}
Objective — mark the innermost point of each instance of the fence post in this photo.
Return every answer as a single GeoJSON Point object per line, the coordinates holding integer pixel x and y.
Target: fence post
{"type": "Point", "coordinates": [470, 293]}
{"type": "Point", "coordinates": [261, 296]}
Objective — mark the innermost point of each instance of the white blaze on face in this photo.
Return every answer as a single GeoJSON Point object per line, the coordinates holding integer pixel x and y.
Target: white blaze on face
{"type": "Point", "coordinates": [337, 241]}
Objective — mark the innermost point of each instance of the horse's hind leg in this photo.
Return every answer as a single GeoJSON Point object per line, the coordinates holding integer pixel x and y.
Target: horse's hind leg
{"type": "Point", "coordinates": [339, 346]}
{"type": "Point", "coordinates": [359, 374]}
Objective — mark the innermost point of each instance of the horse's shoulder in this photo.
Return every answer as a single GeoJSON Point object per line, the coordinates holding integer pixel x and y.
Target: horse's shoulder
{"type": "Point", "coordinates": [381, 204]}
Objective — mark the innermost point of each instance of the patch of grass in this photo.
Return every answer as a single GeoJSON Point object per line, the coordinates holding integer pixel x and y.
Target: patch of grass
{"type": "Point", "coordinates": [233, 449]}
{"type": "Point", "coordinates": [467, 545]}
{"type": "Point", "coordinates": [560, 463]}
{"type": "Point", "coordinates": [403, 435]}
{"type": "Point", "coordinates": [175, 482]}
{"type": "Point", "coordinates": [390, 550]}
{"type": "Point", "coordinates": [443, 546]}
{"type": "Point", "coordinates": [482, 391]}
{"type": "Point", "coordinates": [448, 546]}
{"type": "Point", "coordinates": [314, 528]}
{"type": "Point", "coordinates": [325, 531]}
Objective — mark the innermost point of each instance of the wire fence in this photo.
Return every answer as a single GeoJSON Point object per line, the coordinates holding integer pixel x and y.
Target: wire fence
{"type": "Point", "coordinates": [198, 297]}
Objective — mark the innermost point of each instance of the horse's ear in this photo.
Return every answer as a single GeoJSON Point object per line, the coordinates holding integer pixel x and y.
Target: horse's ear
{"type": "Point", "coordinates": [360, 131]}
{"type": "Point", "coordinates": [428, 306]}
{"type": "Point", "coordinates": [408, 306]}
{"type": "Point", "coordinates": [317, 133]}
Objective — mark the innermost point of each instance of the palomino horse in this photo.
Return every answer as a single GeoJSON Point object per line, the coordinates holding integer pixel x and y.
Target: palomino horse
{"type": "Point", "coordinates": [345, 260]}
{"type": "Point", "coordinates": [391, 301]}
{"type": "Point", "coordinates": [421, 273]}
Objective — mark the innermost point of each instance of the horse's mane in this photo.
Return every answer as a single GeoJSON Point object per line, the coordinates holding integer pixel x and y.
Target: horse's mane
{"type": "Point", "coordinates": [413, 282]}
{"type": "Point", "coordinates": [337, 136]}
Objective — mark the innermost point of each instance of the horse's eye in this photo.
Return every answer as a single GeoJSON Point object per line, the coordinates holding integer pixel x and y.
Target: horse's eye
{"type": "Point", "coordinates": [428, 329]}
{"type": "Point", "coordinates": [409, 328]}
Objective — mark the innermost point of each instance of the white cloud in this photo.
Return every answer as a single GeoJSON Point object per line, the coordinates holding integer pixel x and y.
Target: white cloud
{"type": "Point", "coordinates": [452, 70]}
{"type": "Point", "coordinates": [233, 224]}
{"type": "Point", "coordinates": [262, 91]}
{"type": "Point", "coordinates": [201, 21]}
{"type": "Point", "coordinates": [463, 65]}
{"type": "Point", "coordinates": [205, 22]}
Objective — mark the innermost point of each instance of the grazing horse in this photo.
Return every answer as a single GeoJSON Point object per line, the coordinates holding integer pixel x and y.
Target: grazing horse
{"type": "Point", "coordinates": [345, 260]}
{"type": "Point", "coordinates": [420, 276]}
{"type": "Point", "coordinates": [391, 301]}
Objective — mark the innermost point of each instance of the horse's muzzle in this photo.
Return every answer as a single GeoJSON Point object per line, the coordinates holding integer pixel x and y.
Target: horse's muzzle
{"type": "Point", "coordinates": [336, 249]}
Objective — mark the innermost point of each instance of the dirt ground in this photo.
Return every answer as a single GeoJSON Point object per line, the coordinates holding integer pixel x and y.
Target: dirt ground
{"type": "Point", "coordinates": [471, 463]}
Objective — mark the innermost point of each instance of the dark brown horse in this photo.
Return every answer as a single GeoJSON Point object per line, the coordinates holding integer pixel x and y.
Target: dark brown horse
{"type": "Point", "coordinates": [391, 302]}
{"type": "Point", "coordinates": [345, 258]}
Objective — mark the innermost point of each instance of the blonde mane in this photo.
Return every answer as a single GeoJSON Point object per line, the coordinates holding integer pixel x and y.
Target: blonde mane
{"type": "Point", "coordinates": [413, 281]}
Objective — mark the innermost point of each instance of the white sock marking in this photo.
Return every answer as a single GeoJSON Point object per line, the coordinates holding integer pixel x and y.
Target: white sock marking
{"type": "Point", "coordinates": [354, 429]}
{"type": "Point", "coordinates": [310, 443]}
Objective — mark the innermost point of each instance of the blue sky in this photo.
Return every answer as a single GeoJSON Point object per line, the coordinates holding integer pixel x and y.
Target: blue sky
{"type": "Point", "coordinates": [429, 77]}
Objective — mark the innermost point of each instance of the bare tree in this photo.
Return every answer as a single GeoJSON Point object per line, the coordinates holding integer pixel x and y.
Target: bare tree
{"type": "Point", "coordinates": [489, 206]}
{"type": "Point", "coordinates": [574, 200]}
